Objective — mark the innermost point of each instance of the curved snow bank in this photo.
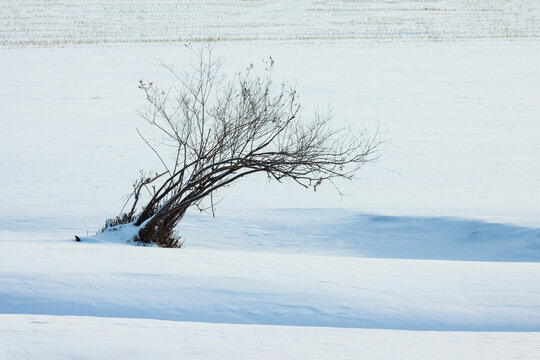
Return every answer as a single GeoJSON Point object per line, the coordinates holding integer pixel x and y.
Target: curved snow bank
{"type": "Point", "coordinates": [110, 280]}
{"type": "Point", "coordinates": [348, 233]}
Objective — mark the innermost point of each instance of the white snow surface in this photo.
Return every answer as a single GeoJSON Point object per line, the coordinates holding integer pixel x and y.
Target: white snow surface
{"type": "Point", "coordinates": [434, 251]}
{"type": "Point", "coordinates": [54, 337]}
{"type": "Point", "coordinates": [461, 121]}
{"type": "Point", "coordinates": [65, 23]}
{"type": "Point", "coordinates": [296, 290]}
{"type": "Point", "coordinates": [262, 287]}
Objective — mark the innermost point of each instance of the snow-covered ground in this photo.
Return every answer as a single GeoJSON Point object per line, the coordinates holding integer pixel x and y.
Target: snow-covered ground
{"type": "Point", "coordinates": [292, 287]}
{"type": "Point", "coordinates": [461, 120]}
{"type": "Point", "coordinates": [309, 283]}
{"type": "Point", "coordinates": [65, 23]}
{"type": "Point", "coordinates": [68, 337]}
{"type": "Point", "coordinates": [433, 253]}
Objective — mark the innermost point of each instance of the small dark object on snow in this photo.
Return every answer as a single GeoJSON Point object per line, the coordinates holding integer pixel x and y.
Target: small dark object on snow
{"type": "Point", "coordinates": [78, 239]}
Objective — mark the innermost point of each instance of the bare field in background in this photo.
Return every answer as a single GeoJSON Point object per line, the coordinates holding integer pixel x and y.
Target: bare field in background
{"type": "Point", "coordinates": [64, 22]}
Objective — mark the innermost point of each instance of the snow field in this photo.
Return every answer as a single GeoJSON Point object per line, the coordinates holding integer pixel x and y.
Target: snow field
{"type": "Point", "coordinates": [54, 337]}
{"type": "Point", "coordinates": [434, 252]}
{"type": "Point", "coordinates": [239, 286]}
{"type": "Point", "coordinates": [460, 120]}
{"type": "Point", "coordinates": [64, 23]}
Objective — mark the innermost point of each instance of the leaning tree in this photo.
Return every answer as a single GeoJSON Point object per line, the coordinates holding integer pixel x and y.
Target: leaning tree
{"type": "Point", "coordinates": [223, 129]}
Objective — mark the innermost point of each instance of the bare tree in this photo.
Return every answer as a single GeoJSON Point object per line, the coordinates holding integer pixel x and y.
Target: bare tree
{"type": "Point", "coordinates": [222, 130]}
